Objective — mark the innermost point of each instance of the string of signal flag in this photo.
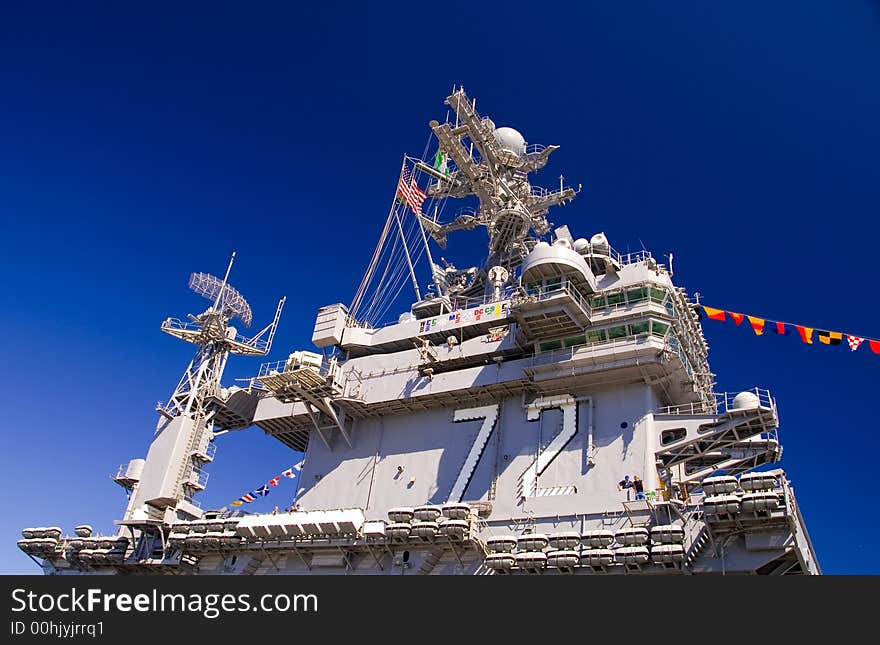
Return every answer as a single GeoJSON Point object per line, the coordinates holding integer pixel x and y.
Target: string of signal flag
{"type": "Point", "coordinates": [263, 490]}
{"type": "Point", "coordinates": [825, 337]}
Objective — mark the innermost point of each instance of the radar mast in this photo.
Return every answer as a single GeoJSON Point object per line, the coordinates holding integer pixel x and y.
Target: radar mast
{"type": "Point", "coordinates": [492, 164]}
{"type": "Point", "coordinates": [172, 472]}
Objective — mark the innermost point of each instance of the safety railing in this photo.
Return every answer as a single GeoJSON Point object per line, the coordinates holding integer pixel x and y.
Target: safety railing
{"type": "Point", "coordinates": [544, 293]}
{"type": "Point", "coordinates": [722, 402]}
{"type": "Point", "coordinates": [259, 344]}
{"type": "Point", "coordinates": [725, 400]}
{"type": "Point", "coordinates": [558, 355]}
{"type": "Point", "coordinates": [209, 450]}
{"type": "Point", "coordinates": [273, 368]}
{"type": "Point", "coordinates": [534, 149]}
{"type": "Point", "coordinates": [197, 476]}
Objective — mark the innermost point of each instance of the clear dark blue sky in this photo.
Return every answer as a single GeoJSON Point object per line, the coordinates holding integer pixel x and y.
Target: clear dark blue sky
{"type": "Point", "coordinates": [140, 145]}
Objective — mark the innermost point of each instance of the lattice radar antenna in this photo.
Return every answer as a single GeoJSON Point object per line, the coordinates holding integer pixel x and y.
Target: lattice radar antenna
{"type": "Point", "coordinates": [210, 331]}
{"type": "Point", "coordinates": [226, 298]}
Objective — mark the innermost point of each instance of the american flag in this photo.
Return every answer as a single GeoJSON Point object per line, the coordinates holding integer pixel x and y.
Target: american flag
{"type": "Point", "coordinates": [410, 193]}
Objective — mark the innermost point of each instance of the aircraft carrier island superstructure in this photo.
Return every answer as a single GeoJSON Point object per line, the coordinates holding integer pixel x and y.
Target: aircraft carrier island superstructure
{"type": "Point", "coordinates": [496, 427]}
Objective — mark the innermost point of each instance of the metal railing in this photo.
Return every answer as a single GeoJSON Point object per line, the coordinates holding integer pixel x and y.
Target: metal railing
{"type": "Point", "coordinates": [557, 355]}
{"type": "Point", "coordinates": [209, 451]}
{"type": "Point", "coordinates": [259, 344]}
{"type": "Point", "coordinates": [542, 294]}
{"type": "Point", "coordinates": [723, 402]}
{"type": "Point", "coordinates": [197, 476]}
{"type": "Point", "coordinates": [535, 149]}
{"type": "Point", "coordinates": [273, 368]}
{"type": "Point", "coordinates": [194, 502]}
{"type": "Point", "coordinates": [460, 304]}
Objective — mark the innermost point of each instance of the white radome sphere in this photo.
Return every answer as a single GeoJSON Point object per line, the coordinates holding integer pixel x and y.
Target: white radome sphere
{"type": "Point", "coordinates": [541, 244]}
{"type": "Point", "coordinates": [510, 140]}
{"type": "Point", "coordinates": [599, 243]}
{"type": "Point", "coordinates": [580, 244]}
{"type": "Point", "coordinates": [745, 401]}
{"type": "Point", "coordinates": [562, 242]}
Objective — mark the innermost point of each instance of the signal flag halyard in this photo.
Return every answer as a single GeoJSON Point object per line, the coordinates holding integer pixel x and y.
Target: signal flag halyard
{"type": "Point", "coordinates": [783, 329]}
{"type": "Point", "coordinates": [264, 490]}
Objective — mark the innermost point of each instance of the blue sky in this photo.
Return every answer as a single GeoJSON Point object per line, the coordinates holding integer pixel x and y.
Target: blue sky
{"type": "Point", "coordinates": [140, 145]}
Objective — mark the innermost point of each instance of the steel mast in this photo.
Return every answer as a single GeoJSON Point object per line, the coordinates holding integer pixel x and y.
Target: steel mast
{"type": "Point", "coordinates": [172, 472]}
{"type": "Point", "coordinates": [510, 207]}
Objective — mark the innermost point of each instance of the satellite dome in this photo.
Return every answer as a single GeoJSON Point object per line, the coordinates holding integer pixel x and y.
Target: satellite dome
{"type": "Point", "coordinates": [541, 244]}
{"type": "Point", "coordinates": [510, 140]}
{"type": "Point", "coordinates": [562, 242]}
{"type": "Point", "coordinates": [581, 244]}
{"type": "Point", "coordinates": [600, 243]}
{"type": "Point", "coordinates": [745, 401]}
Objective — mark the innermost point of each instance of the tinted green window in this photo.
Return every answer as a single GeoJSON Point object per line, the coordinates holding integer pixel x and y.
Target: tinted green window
{"type": "Point", "coordinates": [553, 344]}
{"type": "Point", "coordinates": [617, 332]}
{"type": "Point", "coordinates": [598, 302]}
{"type": "Point", "coordinates": [639, 327]}
{"type": "Point", "coordinates": [637, 295]}
{"type": "Point", "coordinates": [615, 298]}
{"type": "Point", "coordinates": [658, 328]}
{"type": "Point", "coordinates": [596, 336]}
{"type": "Point", "coordinates": [575, 340]}
{"type": "Point", "coordinates": [553, 284]}
{"type": "Point", "coordinates": [657, 295]}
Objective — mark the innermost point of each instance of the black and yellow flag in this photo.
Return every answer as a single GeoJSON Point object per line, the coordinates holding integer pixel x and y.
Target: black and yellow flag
{"type": "Point", "coordinates": [830, 337]}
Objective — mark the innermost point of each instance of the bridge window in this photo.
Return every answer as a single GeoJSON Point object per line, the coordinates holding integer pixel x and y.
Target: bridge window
{"type": "Point", "coordinates": [636, 295]}
{"type": "Point", "coordinates": [639, 327]}
{"type": "Point", "coordinates": [617, 332]}
{"type": "Point", "coordinates": [575, 340]}
{"type": "Point", "coordinates": [597, 336]}
{"type": "Point", "coordinates": [658, 295]}
{"type": "Point", "coordinates": [658, 328]}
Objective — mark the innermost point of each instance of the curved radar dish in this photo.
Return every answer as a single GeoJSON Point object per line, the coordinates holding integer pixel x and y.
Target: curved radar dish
{"type": "Point", "coordinates": [232, 301]}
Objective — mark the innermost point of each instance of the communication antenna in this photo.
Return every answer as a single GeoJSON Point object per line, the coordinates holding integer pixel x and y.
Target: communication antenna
{"type": "Point", "coordinates": [185, 429]}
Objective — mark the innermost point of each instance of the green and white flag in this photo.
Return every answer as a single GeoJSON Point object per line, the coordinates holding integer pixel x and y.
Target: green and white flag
{"type": "Point", "coordinates": [440, 163]}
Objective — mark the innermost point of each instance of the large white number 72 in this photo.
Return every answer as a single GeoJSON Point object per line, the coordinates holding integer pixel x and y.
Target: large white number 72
{"type": "Point", "coordinates": [528, 481]}
{"type": "Point", "coordinates": [489, 414]}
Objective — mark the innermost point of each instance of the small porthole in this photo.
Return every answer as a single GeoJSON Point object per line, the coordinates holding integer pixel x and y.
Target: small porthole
{"type": "Point", "coordinates": [624, 425]}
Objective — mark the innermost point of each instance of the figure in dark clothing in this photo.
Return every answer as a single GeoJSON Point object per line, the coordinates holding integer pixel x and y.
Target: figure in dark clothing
{"type": "Point", "coordinates": [639, 487]}
{"type": "Point", "coordinates": [625, 484]}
